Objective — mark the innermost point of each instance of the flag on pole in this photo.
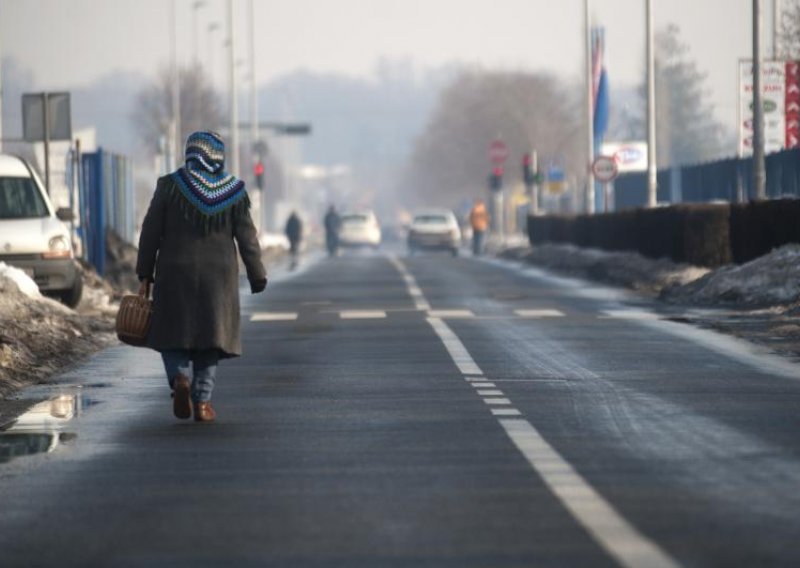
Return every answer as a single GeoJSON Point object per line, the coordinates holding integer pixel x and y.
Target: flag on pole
{"type": "Point", "coordinates": [600, 87]}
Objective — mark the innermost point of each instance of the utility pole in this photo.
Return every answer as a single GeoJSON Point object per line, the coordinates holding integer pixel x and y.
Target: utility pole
{"type": "Point", "coordinates": [759, 171]}
{"type": "Point", "coordinates": [652, 167]}
{"type": "Point", "coordinates": [234, 104]}
{"type": "Point", "coordinates": [589, 107]}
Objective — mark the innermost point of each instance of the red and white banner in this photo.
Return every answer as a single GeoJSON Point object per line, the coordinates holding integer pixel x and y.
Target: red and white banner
{"type": "Point", "coordinates": [780, 87]}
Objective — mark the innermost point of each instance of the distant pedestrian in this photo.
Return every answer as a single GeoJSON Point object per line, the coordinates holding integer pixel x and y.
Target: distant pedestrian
{"type": "Point", "coordinates": [332, 224]}
{"type": "Point", "coordinates": [187, 248]}
{"type": "Point", "coordinates": [479, 220]}
{"type": "Point", "coordinates": [294, 232]}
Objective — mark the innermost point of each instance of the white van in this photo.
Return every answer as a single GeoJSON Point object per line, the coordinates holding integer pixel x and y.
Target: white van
{"type": "Point", "coordinates": [33, 236]}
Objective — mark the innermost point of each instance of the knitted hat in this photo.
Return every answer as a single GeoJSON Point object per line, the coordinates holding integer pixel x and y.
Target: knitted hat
{"type": "Point", "coordinates": [205, 191]}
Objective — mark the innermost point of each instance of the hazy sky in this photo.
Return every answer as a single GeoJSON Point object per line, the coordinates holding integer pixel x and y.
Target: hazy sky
{"type": "Point", "coordinates": [67, 43]}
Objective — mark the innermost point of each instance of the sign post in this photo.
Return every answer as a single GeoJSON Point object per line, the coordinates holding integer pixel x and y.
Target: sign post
{"type": "Point", "coordinates": [46, 117]}
{"type": "Point", "coordinates": [498, 154]}
{"type": "Point", "coordinates": [605, 171]}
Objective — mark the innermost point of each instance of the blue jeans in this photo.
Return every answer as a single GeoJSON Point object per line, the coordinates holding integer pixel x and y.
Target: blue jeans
{"type": "Point", "coordinates": [477, 242]}
{"type": "Point", "coordinates": [204, 367]}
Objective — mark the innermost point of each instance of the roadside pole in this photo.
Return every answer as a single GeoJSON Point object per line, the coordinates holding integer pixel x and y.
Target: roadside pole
{"type": "Point", "coordinates": [233, 93]}
{"type": "Point", "coordinates": [759, 172]}
{"type": "Point", "coordinates": [589, 107]}
{"type": "Point", "coordinates": [652, 168]}
{"type": "Point", "coordinates": [45, 106]}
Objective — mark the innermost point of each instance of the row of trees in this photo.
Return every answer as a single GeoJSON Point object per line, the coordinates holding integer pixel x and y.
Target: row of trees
{"type": "Point", "coordinates": [546, 113]}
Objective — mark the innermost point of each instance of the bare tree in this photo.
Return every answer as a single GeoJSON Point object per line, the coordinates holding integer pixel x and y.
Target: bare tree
{"type": "Point", "coordinates": [199, 105]}
{"type": "Point", "coordinates": [528, 111]}
{"type": "Point", "coordinates": [789, 35]}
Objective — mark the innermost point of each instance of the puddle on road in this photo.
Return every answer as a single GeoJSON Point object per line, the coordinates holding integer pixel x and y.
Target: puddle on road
{"type": "Point", "coordinates": [43, 427]}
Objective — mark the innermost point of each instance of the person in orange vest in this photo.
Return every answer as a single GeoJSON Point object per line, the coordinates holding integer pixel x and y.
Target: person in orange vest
{"type": "Point", "coordinates": [479, 219]}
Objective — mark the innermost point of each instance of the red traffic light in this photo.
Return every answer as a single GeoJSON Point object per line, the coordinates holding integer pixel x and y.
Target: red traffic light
{"type": "Point", "coordinates": [258, 169]}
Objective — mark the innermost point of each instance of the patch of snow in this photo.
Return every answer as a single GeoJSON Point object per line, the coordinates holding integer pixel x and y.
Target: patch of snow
{"type": "Point", "coordinates": [773, 279]}
{"type": "Point", "coordinates": [273, 241]}
{"type": "Point", "coordinates": [24, 283]}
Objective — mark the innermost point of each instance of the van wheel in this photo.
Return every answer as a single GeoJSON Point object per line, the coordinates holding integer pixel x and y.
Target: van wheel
{"type": "Point", "coordinates": [72, 297]}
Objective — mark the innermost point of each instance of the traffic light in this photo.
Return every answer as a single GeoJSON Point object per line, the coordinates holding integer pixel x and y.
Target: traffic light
{"type": "Point", "coordinates": [528, 175]}
{"type": "Point", "coordinates": [496, 178]}
{"type": "Point", "coordinates": [258, 173]}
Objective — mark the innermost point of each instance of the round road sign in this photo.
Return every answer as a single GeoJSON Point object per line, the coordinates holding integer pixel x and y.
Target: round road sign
{"type": "Point", "coordinates": [498, 152]}
{"type": "Point", "coordinates": [605, 168]}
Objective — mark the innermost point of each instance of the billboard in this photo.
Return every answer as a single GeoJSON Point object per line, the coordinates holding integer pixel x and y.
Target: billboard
{"type": "Point", "coordinates": [630, 156]}
{"type": "Point", "coordinates": [781, 102]}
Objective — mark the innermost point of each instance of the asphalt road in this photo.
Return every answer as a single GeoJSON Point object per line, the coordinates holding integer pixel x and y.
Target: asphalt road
{"type": "Point", "coordinates": [421, 412]}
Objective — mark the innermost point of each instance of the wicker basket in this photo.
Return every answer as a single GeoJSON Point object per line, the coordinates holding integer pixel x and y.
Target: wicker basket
{"type": "Point", "coordinates": [134, 316]}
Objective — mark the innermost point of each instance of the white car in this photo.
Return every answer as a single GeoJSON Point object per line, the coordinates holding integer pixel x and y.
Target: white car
{"type": "Point", "coordinates": [360, 229]}
{"type": "Point", "coordinates": [434, 229]}
{"type": "Point", "coordinates": [33, 236]}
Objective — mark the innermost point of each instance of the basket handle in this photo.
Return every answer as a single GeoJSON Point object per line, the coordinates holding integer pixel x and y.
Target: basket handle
{"type": "Point", "coordinates": [145, 287]}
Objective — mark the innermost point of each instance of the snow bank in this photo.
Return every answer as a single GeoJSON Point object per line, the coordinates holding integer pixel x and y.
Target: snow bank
{"type": "Point", "coordinates": [273, 240]}
{"type": "Point", "coordinates": [773, 279]}
{"type": "Point", "coordinates": [24, 283]}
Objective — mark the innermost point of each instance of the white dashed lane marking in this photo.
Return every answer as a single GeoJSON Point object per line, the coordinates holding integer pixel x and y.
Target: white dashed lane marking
{"type": "Point", "coordinates": [450, 314]}
{"type": "Point", "coordinates": [539, 313]}
{"type": "Point", "coordinates": [274, 316]}
{"type": "Point", "coordinates": [490, 392]}
{"type": "Point", "coordinates": [505, 412]}
{"type": "Point", "coordinates": [497, 401]}
{"type": "Point", "coordinates": [362, 314]}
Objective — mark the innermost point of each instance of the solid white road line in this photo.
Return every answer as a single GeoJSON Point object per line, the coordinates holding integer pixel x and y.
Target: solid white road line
{"type": "Point", "coordinates": [411, 284]}
{"type": "Point", "coordinates": [455, 348]}
{"type": "Point", "coordinates": [539, 313]}
{"type": "Point", "coordinates": [362, 314]}
{"type": "Point", "coordinates": [606, 525]}
{"type": "Point", "coordinates": [273, 316]}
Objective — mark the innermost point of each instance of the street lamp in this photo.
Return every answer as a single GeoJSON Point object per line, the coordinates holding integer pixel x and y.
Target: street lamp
{"type": "Point", "coordinates": [212, 47]}
{"type": "Point", "coordinates": [196, 5]}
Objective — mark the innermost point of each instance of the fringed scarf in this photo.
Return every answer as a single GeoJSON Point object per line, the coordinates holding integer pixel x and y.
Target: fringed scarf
{"type": "Point", "coordinates": [202, 188]}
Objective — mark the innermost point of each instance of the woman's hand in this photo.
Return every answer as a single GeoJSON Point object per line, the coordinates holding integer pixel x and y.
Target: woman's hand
{"type": "Point", "coordinates": [257, 286]}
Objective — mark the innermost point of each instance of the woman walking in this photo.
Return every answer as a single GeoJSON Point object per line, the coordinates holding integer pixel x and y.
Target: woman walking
{"type": "Point", "coordinates": [198, 216]}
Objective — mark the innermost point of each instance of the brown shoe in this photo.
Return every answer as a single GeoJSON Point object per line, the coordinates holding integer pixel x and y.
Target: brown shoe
{"type": "Point", "coordinates": [181, 402]}
{"type": "Point", "coordinates": [204, 412]}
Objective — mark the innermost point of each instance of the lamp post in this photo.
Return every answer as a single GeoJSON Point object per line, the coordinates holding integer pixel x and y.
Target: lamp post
{"type": "Point", "coordinates": [652, 167]}
{"type": "Point", "coordinates": [196, 5]}
{"type": "Point", "coordinates": [233, 93]}
{"type": "Point", "coordinates": [759, 172]}
{"type": "Point", "coordinates": [589, 106]}
{"type": "Point", "coordinates": [174, 135]}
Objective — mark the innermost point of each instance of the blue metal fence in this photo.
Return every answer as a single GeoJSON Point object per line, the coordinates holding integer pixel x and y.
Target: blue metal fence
{"type": "Point", "coordinates": [106, 202]}
{"type": "Point", "coordinates": [726, 180]}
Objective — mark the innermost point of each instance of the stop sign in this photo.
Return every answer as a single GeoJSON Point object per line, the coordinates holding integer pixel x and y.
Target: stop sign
{"type": "Point", "coordinates": [498, 152]}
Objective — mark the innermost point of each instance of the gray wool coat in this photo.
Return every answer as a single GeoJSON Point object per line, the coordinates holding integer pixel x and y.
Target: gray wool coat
{"type": "Point", "coordinates": [196, 284]}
